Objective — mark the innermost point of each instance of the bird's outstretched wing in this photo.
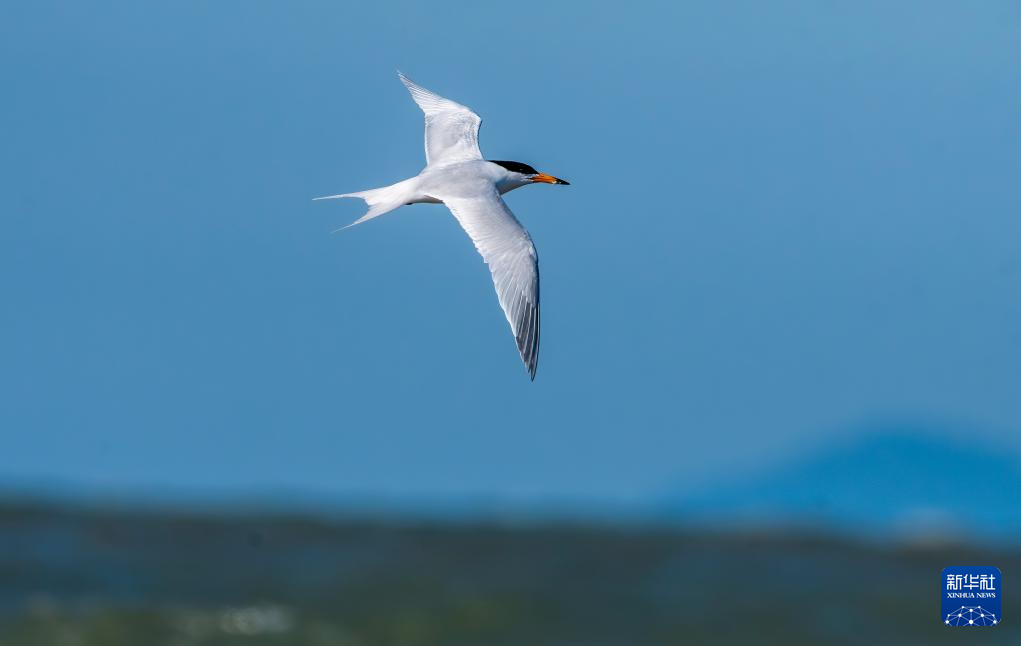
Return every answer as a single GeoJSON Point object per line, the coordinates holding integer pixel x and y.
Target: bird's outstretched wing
{"type": "Point", "coordinates": [451, 129]}
{"type": "Point", "coordinates": [508, 250]}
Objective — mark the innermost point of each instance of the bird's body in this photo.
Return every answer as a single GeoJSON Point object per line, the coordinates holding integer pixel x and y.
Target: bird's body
{"type": "Point", "coordinates": [457, 175]}
{"type": "Point", "coordinates": [457, 178]}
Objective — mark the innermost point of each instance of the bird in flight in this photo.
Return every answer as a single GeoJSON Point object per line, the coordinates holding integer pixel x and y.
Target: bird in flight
{"type": "Point", "coordinates": [456, 175]}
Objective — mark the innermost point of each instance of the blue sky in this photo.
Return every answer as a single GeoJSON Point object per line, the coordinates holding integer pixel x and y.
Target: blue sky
{"type": "Point", "coordinates": [788, 222]}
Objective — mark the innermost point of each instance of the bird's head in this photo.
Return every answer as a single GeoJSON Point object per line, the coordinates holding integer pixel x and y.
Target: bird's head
{"type": "Point", "coordinates": [520, 174]}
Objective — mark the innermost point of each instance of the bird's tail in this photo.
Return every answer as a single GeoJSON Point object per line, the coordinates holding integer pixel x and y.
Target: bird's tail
{"type": "Point", "coordinates": [380, 200]}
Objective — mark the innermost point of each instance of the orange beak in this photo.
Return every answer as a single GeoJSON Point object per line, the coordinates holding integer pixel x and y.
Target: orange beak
{"type": "Point", "coordinates": [549, 179]}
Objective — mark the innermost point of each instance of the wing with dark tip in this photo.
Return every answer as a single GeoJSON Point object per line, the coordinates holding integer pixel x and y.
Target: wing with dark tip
{"type": "Point", "coordinates": [508, 250]}
{"type": "Point", "coordinates": [451, 129]}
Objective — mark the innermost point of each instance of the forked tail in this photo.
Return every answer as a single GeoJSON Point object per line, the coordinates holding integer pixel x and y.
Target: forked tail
{"type": "Point", "coordinates": [380, 200]}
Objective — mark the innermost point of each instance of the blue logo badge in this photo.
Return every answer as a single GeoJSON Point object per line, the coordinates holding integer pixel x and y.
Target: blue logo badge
{"type": "Point", "coordinates": [971, 596]}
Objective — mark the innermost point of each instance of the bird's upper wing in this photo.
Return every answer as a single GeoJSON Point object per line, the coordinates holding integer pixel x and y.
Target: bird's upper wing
{"type": "Point", "coordinates": [508, 250]}
{"type": "Point", "coordinates": [451, 129]}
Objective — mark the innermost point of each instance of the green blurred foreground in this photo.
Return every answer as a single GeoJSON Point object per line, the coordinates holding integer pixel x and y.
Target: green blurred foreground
{"type": "Point", "coordinates": [92, 578]}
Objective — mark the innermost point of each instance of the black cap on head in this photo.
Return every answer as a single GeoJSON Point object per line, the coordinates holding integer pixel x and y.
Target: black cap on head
{"type": "Point", "coordinates": [515, 167]}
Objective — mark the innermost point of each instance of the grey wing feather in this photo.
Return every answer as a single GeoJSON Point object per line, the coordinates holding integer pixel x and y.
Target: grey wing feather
{"type": "Point", "coordinates": [451, 129]}
{"type": "Point", "coordinates": [508, 250]}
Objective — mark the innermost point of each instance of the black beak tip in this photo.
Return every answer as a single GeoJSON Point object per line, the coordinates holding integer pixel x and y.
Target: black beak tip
{"type": "Point", "coordinates": [563, 181]}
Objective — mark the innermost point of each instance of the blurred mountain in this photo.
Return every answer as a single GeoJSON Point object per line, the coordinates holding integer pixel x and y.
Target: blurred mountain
{"type": "Point", "coordinates": [907, 483]}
